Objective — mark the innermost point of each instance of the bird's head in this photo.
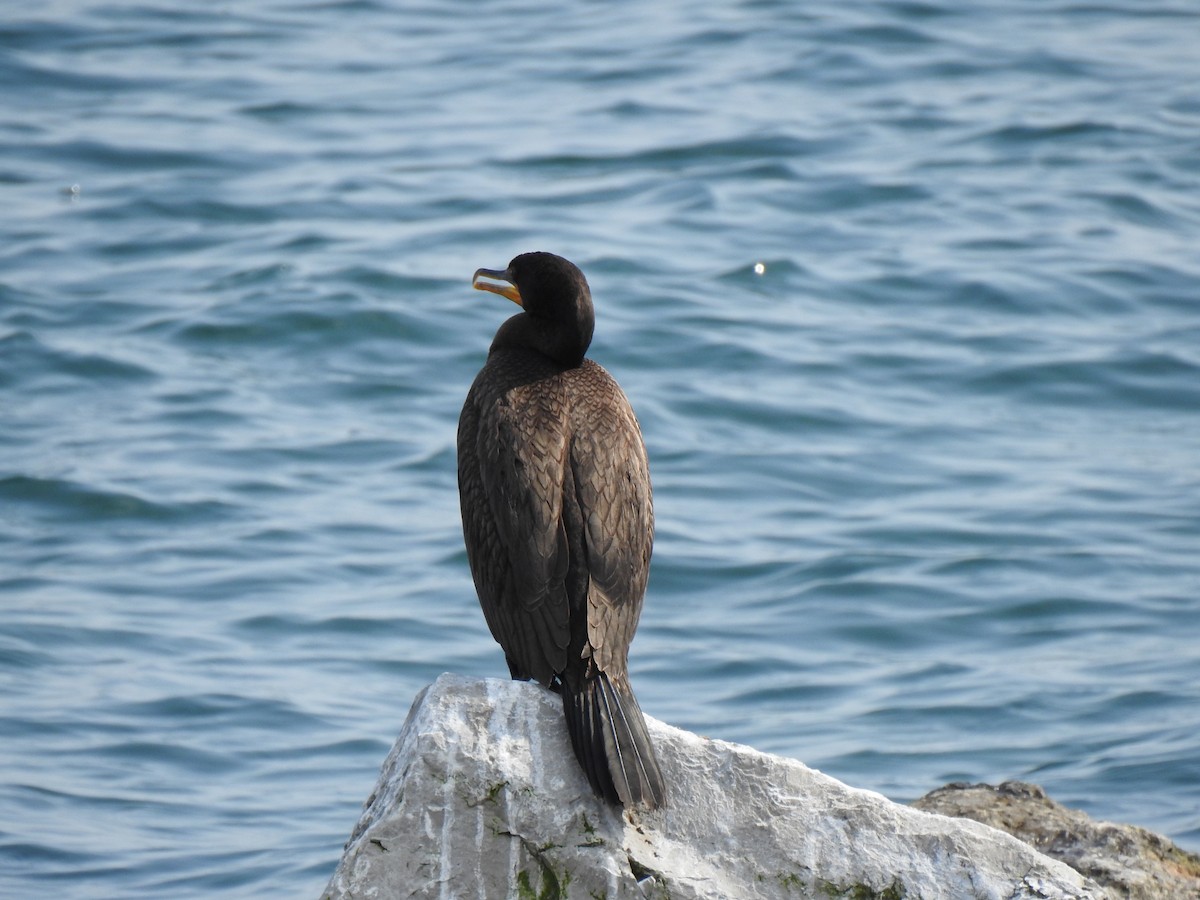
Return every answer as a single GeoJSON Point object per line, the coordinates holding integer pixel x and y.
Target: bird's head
{"type": "Point", "coordinates": [559, 318]}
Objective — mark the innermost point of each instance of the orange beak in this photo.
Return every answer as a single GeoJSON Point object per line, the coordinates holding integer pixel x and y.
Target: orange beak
{"type": "Point", "coordinates": [505, 288]}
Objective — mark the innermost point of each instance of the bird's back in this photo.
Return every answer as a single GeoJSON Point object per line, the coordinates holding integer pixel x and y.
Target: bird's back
{"type": "Point", "coordinates": [557, 512]}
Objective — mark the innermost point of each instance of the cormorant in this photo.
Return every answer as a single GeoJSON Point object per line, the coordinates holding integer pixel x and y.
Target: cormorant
{"type": "Point", "coordinates": [558, 518]}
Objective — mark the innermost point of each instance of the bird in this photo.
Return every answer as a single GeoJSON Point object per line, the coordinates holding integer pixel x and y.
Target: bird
{"type": "Point", "coordinates": [558, 518]}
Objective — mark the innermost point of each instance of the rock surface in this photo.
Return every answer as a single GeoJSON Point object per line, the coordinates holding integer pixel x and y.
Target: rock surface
{"type": "Point", "coordinates": [481, 797]}
{"type": "Point", "coordinates": [1129, 862]}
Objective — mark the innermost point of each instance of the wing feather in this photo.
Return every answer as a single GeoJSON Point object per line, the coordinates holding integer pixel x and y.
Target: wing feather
{"type": "Point", "coordinates": [612, 482]}
{"type": "Point", "coordinates": [512, 456]}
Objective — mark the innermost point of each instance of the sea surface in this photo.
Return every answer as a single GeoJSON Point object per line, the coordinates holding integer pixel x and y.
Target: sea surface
{"type": "Point", "coordinates": [906, 296]}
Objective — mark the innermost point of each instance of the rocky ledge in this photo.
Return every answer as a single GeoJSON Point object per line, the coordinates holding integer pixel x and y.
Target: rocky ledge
{"type": "Point", "coordinates": [1130, 862]}
{"type": "Point", "coordinates": [481, 797]}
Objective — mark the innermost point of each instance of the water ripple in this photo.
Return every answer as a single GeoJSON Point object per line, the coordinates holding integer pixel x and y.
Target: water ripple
{"type": "Point", "coordinates": [903, 295]}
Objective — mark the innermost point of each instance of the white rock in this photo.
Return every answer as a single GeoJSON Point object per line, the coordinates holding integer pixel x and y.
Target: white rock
{"type": "Point", "coordinates": [482, 798]}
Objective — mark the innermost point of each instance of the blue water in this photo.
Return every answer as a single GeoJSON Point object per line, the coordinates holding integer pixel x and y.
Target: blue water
{"type": "Point", "coordinates": [906, 295]}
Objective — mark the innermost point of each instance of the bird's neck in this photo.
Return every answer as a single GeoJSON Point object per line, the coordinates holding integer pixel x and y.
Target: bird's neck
{"type": "Point", "coordinates": [566, 343]}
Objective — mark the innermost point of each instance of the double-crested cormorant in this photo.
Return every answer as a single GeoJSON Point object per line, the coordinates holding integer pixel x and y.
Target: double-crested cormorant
{"type": "Point", "coordinates": [558, 518]}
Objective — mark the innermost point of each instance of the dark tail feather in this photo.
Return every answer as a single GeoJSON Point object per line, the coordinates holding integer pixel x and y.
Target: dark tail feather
{"type": "Point", "coordinates": [609, 736]}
